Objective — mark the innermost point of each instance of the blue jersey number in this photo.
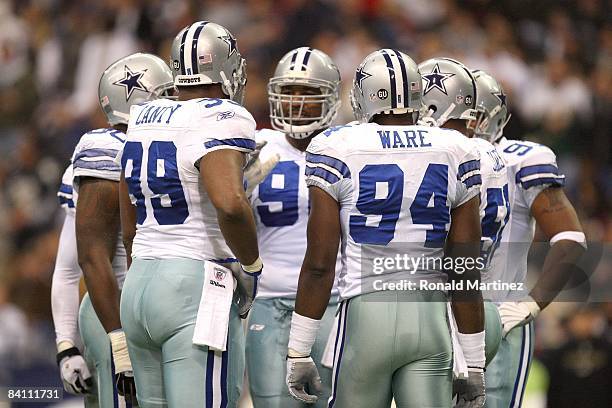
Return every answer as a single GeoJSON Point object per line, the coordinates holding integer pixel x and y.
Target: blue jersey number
{"type": "Point", "coordinates": [381, 191]}
{"type": "Point", "coordinates": [497, 213]}
{"type": "Point", "coordinates": [387, 181]}
{"type": "Point", "coordinates": [433, 189]}
{"type": "Point", "coordinates": [519, 148]}
{"type": "Point", "coordinates": [281, 185]}
{"type": "Point", "coordinates": [168, 202]}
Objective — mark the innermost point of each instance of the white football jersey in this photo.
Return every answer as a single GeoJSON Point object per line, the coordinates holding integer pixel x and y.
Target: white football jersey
{"type": "Point", "coordinates": [165, 141]}
{"type": "Point", "coordinates": [281, 207]}
{"type": "Point", "coordinates": [66, 194]}
{"type": "Point", "coordinates": [531, 169]}
{"type": "Point", "coordinates": [396, 186]}
{"type": "Point", "coordinates": [94, 156]}
{"type": "Point", "coordinates": [494, 201]}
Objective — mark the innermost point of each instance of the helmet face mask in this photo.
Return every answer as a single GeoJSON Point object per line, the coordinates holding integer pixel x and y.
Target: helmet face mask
{"type": "Point", "coordinates": [304, 94]}
{"type": "Point", "coordinates": [206, 53]}
{"type": "Point", "coordinates": [134, 79]}
{"type": "Point", "coordinates": [492, 108]}
{"type": "Point", "coordinates": [389, 82]}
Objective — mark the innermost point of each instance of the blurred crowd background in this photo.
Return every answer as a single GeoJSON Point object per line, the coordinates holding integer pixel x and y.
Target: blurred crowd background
{"type": "Point", "coordinates": [554, 58]}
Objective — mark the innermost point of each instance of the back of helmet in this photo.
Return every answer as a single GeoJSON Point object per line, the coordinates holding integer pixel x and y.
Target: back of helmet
{"type": "Point", "coordinates": [387, 81]}
{"type": "Point", "coordinates": [131, 80]}
{"type": "Point", "coordinates": [205, 53]}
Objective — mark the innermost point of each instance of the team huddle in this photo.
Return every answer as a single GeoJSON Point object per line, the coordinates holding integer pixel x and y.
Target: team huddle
{"type": "Point", "coordinates": [185, 220]}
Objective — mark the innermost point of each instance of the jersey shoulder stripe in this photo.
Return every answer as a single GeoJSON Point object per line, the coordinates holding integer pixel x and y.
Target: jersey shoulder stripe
{"type": "Point", "coordinates": [336, 164]}
{"type": "Point", "coordinates": [242, 143]}
{"type": "Point", "coordinates": [94, 155]}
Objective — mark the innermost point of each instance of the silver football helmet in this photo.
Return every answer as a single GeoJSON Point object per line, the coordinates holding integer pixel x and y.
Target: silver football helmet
{"type": "Point", "coordinates": [309, 68]}
{"type": "Point", "coordinates": [206, 53]}
{"type": "Point", "coordinates": [449, 91]}
{"type": "Point", "coordinates": [134, 79]}
{"type": "Point", "coordinates": [491, 106]}
{"type": "Point", "coordinates": [387, 81]}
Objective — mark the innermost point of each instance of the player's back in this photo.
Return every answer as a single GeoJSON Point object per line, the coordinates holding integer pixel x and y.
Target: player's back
{"type": "Point", "coordinates": [396, 186]}
{"type": "Point", "coordinates": [166, 140]}
{"type": "Point", "coordinates": [532, 167]}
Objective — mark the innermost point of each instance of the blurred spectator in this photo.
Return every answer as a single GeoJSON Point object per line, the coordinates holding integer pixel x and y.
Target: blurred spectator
{"type": "Point", "coordinates": [581, 369]}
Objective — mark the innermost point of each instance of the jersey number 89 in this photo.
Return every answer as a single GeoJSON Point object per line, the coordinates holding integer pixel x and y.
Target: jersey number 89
{"type": "Point", "coordinates": [162, 178]}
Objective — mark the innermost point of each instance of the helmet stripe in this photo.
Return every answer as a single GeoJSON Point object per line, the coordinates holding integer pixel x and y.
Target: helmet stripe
{"type": "Point", "coordinates": [293, 58]}
{"type": "Point", "coordinates": [306, 58]}
{"type": "Point", "coordinates": [194, 47]}
{"type": "Point", "coordinates": [182, 51]}
{"type": "Point", "coordinates": [406, 95]}
{"type": "Point", "coordinates": [391, 79]}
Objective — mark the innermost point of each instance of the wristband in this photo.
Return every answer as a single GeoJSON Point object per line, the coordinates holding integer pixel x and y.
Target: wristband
{"type": "Point", "coordinates": [121, 358]}
{"type": "Point", "coordinates": [256, 266]}
{"type": "Point", "coordinates": [576, 236]}
{"type": "Point", "coordinates": [64, 345]}
{"type": "Point", "coordinates": [473, 346]}
{"type": "Point", "coordinates": [302, 335]}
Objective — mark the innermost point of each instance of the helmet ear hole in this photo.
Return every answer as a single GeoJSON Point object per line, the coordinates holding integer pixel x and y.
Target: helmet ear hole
{"type": "Point", "coordinates": [432, 108]}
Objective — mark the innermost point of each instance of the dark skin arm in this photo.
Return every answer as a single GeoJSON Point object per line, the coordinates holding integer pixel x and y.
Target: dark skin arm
{"type": "Point", "coordinates": [554, 213]}
{"type": "Point", "coordinates": [319, 266]}
{"type": "Point", "coordinates": [97, 228]}
{"type": "Point", "coordinates": [221, 175]}
{"type": "Point", "coordinates": [464, 241]}
{"type": "Point", "coordinates": [128, 218]}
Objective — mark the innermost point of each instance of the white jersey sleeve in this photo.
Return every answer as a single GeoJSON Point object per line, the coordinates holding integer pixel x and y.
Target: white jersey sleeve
{"type": "Point", "coordinates": [469, 178]}
{"type": "Point", "coordinates": [65, 285]}
{"type": "Point", "coordinates": [224, 125]}
{"type": "Point", "coordinates": [66, 194]}
{"type": "Point", "coordinates": [326, 169]}
{"type": "Point", "coordinates": [537, 171]}
{"type": "Point", "coordinates": [94, 155]}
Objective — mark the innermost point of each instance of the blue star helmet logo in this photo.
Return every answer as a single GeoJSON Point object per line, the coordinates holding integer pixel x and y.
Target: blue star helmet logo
{"type": "Point", "coordinates": [501, 96]}
{"type": "Point", "coordinates": [436, 79]}
{"type": "Point", "coordinates": [360, 75]}
{"type": "Point", "coordinates": [231, 42]}
{"type": "Point", "coordinates": [131, 81]}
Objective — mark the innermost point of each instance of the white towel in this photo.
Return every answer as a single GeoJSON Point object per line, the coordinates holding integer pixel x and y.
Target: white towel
{"type": "Point", "coordinates": [328, 354]}
{"type": "Point", "coordinates": [212, 322]}
{"type": "Point", "coordinates": [460, 368]}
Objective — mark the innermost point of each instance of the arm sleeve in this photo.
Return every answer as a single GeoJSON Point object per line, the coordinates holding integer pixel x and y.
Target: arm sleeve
{"type": "Point", "coordinates": [227, 126]}
{"type": "Point", "coordinates": [537, 172]}
{"type": "Point", "coordinates": [65, 285]}
{"type": "Point", "coordinates": [469, 179]}
{"type": "Point", "coordinates": [95, 155]}
{"type": "Point", "coordinates": [326, 169]}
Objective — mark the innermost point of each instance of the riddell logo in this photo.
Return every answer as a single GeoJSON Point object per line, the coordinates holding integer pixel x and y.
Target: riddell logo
{"type": "Point", "coordinates": [189, 80]}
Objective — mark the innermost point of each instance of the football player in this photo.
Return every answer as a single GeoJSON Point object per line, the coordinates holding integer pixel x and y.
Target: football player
{"type": "Point", "coordinates": [386, 187]}
{"type": "Point", "coordinates": [452, 101]}
{"type": "Point", "coordinates": [91, 183]}
{"type": "Point", "coordinates": [536, 196]}
{"type": "Point", "coordinates": [185, 217]}
{"type": "Point", "coordinates": [304, 99]}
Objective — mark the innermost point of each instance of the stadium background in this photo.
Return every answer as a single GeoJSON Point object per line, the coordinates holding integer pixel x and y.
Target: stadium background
{"type": "Point", "coordinates": [553, 57]}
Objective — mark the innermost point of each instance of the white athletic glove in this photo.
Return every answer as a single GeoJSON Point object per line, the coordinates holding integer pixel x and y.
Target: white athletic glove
{"type": "Point", "coordinates": [124, 375]}
{"type": "Point", "coordinates": [247, 279]}
{"type": "Point", "coordinates": [255, 171]}
{"type": "Point", "coordinates": [471, 392]}
{"type": "Point", "coordinates": [73, 369]}
{"type": "Point", "coordinates": [515, 314]}
{"type": "Point", "coordinates": [303, 379]}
